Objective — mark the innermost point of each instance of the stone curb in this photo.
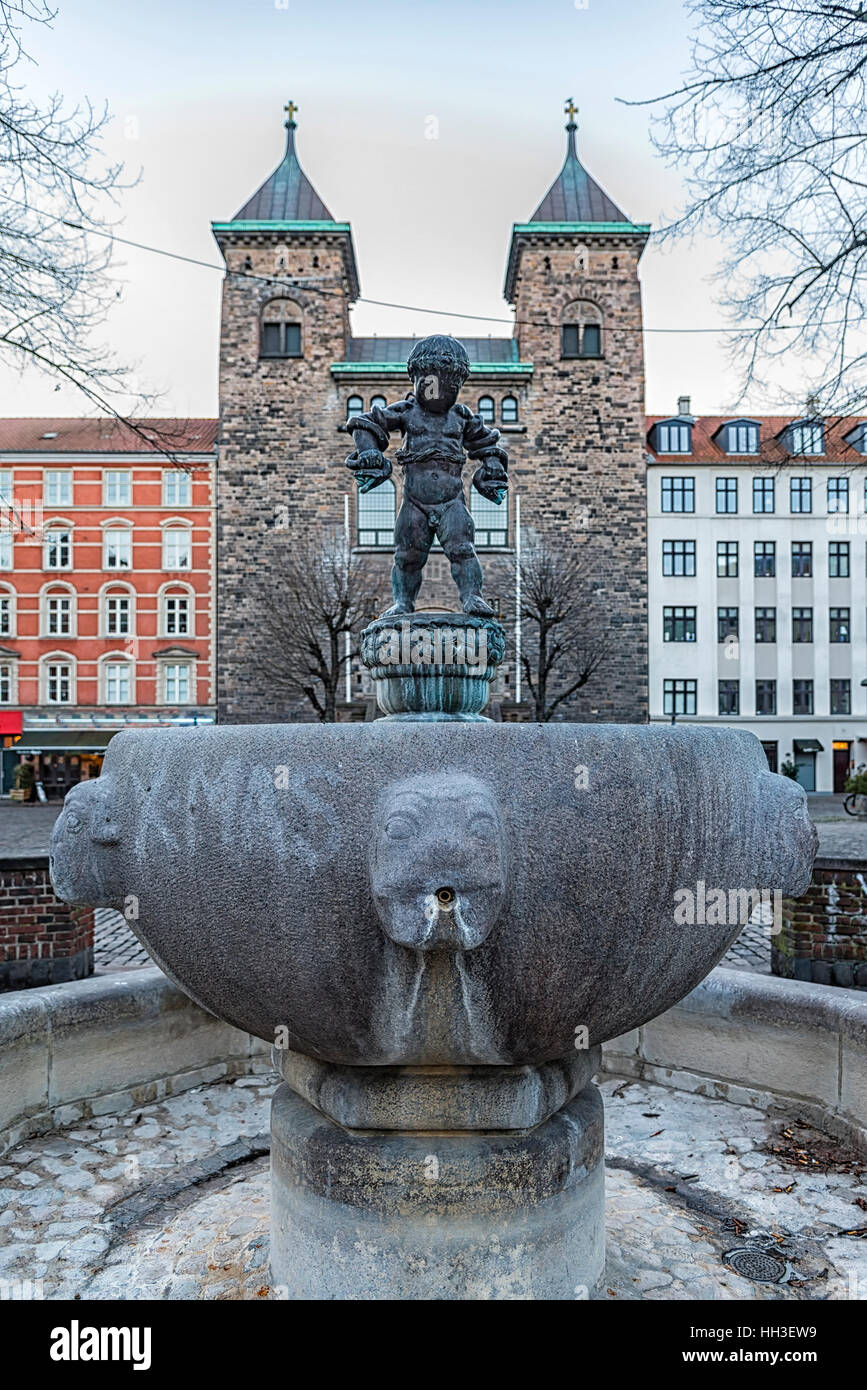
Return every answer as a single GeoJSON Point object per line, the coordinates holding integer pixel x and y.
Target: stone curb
{"type": "Point", "coordinates": [104, 1045]}
{"type": "Point", "coordinates": [759, 1040]}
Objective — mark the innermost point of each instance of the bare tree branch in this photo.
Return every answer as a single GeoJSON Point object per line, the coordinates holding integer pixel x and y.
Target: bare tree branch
{"type": "Point", "coordinates": [566, 635]}
{"type": "Point", "coordinates": [309, 595]}
{"type": "Point", "coordinates": [770, 134]}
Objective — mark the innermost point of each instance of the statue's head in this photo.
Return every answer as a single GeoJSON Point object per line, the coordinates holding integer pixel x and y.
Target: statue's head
{"type": "Point", "coordinates": [438, 366]}
{"type": "Point", "coordinates": [438, 862]}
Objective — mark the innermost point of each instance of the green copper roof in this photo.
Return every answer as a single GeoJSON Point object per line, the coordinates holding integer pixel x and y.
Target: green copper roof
{"type": "Point", "coordinates": [583, 228]}
{"type": "Point", "coordinates": [257, 225]}
{"type": "Point", "coordinates": [288, 195]}
{"type": "Point", "coordinates": [399, 368]}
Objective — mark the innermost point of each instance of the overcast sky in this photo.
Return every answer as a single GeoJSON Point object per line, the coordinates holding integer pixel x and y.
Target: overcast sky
{"type": "Point", "coordinates": [197, 89]}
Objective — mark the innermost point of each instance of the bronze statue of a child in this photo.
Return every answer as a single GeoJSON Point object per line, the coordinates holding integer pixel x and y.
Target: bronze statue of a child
{"type": "Point", "coordinates": [438, 434]}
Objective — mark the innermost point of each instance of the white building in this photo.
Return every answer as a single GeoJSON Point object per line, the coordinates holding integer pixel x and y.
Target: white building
{"type": "Point", "coordinates": [757, 557]}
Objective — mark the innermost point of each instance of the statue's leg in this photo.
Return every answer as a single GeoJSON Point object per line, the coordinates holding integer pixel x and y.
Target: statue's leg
{"type": "Point", "coordinates": [412, 543]}
{"type": "Point", "coordinates": [456, 531]}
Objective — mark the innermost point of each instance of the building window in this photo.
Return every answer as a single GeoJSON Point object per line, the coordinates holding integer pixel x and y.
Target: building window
{"type": "Point", "coordinates": [679, 696]}
{"type": "Point", "coordinates": [838, 495]}
{"type": "Point", "coordinates": [116, 488]}
{"type": "Point", "coordinates": [7, 613]}
{"type": "Point", "coordinates": [727, 559]}
{"type": "Point", "coordinates": [57, 488]}
{"type": "Point", "coordinates": [487, 410]}
{"type": "Point", "coordinates": [742, 438]}
{"type": "Point", "coordinates": [771, 753]}
{"type": "Point", "coordinates": [57, 550]}
{"type": "Point", "coordinates": [766, 697]}
{"type": "Point", "coordinates": [838, 559]}
{"type": "Point", "coordinates": [177, 548]}
{"type": "Point", "coordinates": [5, 545]}
{"type": "Point", "coordinates": [763, 494]}
{"type": "Point", "coordinates": [807, 437]}
{"type": "Point", "coordinates": [841, 697]}
{"type": "Point", "coordinates": [509, 410]}
{"type": "Point", "coordinates": [491, 521]}
{"type": "Point", "coordinates": [673, 438]}
{"type": "Point", "coordinates": [726, 494]}
{"type": "Point", "coordinates": [7, 684]}
{"type": "Point", "coordinates": [727, 624]}
{"type": "Point", "coordinates": [354, 406]}
{"type": "Point", "coordinates": [177, 488]}
{"type": "Point", "coordinates": [802, 559]}
{"type": "Point", "coordinates": [839, 626]}
{"type": "Point", "coordinates": [802, 624]}
{"type": "Point", "coordinates": [801, 494]}
{"type": "Point", "coordinates": [176, 615]}
{"type": "Point", "coordinates": [766, 624]}
{"type": "Point", "coordinates": [765, 559]}
{"type": "Point", "coordinates": [678, 557]}
{"type": "Point", "coordinates": [378, 403]}
{"type": "Point", "coordinates": [58, 615]}
{"type": "Point", "coordinates": [118, 615]}
{"type": "Point", "coordinates": [177, 683]}
{"type": "Point", "coordinates": [58, 682]}
{"type": "Point", "coordinates": [802, 697]}
{"type": "Point", "coordinates": [729, 697]}
{"type": "Point", "coordinates": [581, 330]}
{"type": "Point", "coordinates": [117, 548]}
{"type": "Point", "coordinates": [117, 682]}
{"type": "Point", "coordinates": [678, 494]}
{"type": "Point", "coordinates": [376, 516]}
{"type": "Point", "coordinates": [678, 624]}
{"type": "Point", "coordinates": [281, 329]}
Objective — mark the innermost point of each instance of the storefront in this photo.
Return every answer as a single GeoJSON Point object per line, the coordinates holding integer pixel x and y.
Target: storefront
{"type": "Point", "coordinates": [61, 756]}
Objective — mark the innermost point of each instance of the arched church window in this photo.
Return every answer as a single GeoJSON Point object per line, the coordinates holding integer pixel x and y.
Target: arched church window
{"type": "Point", "coordinates": [487, 409]}
{"type": "Point", "coordinates": [281, 329]}
{"type": "Point", "coordinates": [376, 511]}
{"type": "Point", "coordinates": [581, 330]}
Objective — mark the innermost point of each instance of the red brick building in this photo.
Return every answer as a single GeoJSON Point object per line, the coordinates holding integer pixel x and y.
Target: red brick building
{"type": "Point", "coordinates": [106, 586]}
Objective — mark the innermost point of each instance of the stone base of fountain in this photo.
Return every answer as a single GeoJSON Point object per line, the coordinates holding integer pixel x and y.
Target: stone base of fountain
{"type": "Point", "coordinates": [376, 1214]}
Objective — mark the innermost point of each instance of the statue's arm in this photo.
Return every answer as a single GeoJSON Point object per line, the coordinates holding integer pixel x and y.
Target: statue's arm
{"type": "Point", "coordinates": [370, 432]}
{"type": "Point", "coordinates": [490, 478]}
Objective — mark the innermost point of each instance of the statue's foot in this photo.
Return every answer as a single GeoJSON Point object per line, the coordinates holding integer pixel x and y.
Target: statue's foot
{"type": "Point", "coordinates": [399, 610]}
{"type": "Point", "coordinates": [477, 607]}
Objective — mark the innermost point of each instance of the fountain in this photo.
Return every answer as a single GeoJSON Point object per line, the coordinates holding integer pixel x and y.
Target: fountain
{"type": "Point", "coordinates": [436, 920]}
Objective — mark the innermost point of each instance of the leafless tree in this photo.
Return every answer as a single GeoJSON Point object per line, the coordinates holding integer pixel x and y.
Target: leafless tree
{"type": "Point", "coordinates": [565, 635]}
{"type": "Point", "coordinates": [309, 596]}
{"type": "Point", "coordinates": [57, 193]}
{"type": "Point", "coordinates": [769, 130]}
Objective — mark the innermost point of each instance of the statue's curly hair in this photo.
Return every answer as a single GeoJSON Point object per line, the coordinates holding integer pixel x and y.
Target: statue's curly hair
{"type": "Point", "coordinates": [439, 353]}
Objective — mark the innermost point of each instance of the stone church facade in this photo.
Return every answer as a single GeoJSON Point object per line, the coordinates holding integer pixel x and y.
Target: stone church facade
{"type": "Point", "coordinates": [566, 391]}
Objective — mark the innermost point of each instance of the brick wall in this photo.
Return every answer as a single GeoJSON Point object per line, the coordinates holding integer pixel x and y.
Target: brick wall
{"type": "Point", "coordinates": [42, 940]}
{"type": "Point", "coordinates": [824, 935]}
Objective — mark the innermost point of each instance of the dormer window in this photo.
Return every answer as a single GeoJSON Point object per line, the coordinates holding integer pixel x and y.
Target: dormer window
{"type": "Point", "coordinates": [857, 438]}
{"type": "Point", "coordinates": [674, 437]}
{"type": "Point", "coordinates": [742, 437]}
{"type": "Point", "coordinates": [807, 437]}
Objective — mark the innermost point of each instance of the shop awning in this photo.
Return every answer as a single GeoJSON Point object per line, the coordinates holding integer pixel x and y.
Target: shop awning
{"type": "Point", "coordinates": [807, 745]}
{"type": "Point", "coordinates": [65, 740]}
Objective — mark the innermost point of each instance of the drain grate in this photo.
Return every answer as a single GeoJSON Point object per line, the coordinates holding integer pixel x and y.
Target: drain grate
{"type": "Point", "coordinates": [758, 1265]}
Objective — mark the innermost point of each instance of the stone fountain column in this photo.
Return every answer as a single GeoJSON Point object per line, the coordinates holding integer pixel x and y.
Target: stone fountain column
{"type": "Point", "coordinates": [437, 920]}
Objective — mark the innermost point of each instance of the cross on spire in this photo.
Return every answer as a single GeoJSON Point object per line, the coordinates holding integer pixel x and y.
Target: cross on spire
{"type": "Point", "coordinates": [290, 108]}
{"type": "Point", "coordinates": [571, 110]}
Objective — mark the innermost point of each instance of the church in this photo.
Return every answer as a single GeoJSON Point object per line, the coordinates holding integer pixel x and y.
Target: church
{"type": "Point", "coordinates": [566, 392]}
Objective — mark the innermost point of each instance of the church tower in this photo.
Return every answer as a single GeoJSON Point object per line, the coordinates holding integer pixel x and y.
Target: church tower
{"type": "Point", "coordinates": [291, 277]}
{"type": "Point", "coordinates": [572, 276]}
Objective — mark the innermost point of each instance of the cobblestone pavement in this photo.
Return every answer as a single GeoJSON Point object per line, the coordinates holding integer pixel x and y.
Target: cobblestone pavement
{"type": "Point", "coordinates": [171, 1201]}
{"type": "Point", "coordinates": [115, 946]}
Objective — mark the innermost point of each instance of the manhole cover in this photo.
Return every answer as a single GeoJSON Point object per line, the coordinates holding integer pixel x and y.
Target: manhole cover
{"type": "Point", "coordinates": [757, 1265]}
